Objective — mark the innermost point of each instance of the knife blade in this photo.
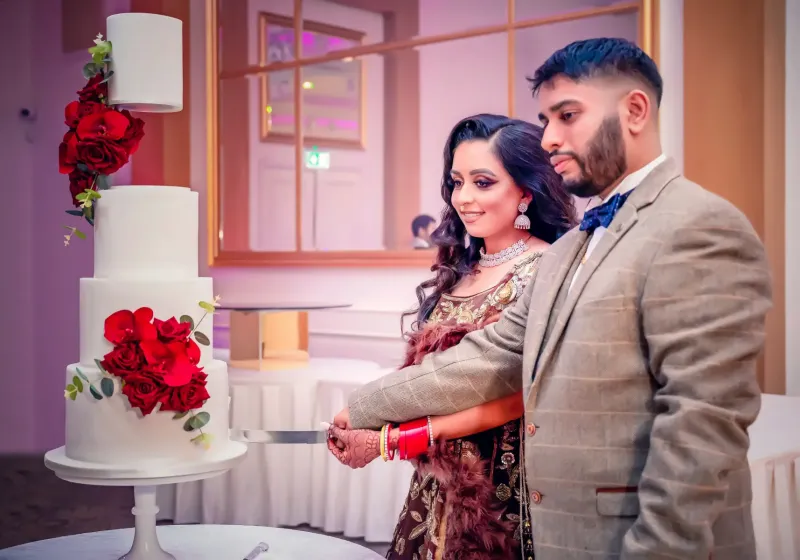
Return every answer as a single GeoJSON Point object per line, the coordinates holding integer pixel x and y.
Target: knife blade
{"type": "Point", "coordinates": [307, 437]}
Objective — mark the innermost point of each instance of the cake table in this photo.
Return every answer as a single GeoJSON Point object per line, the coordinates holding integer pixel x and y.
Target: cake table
{"type": "Point", "coordinates": [201, 542]}
{"type": "Point", "coordinates": [144, 481]}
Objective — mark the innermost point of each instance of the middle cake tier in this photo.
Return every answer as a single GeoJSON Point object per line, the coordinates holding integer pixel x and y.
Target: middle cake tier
{"type": "Point", "coordinates": [101, 297]}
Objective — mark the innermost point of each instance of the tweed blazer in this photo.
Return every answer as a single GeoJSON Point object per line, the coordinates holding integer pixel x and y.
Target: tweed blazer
{"type": "Point", "coordinates": [639, 381]}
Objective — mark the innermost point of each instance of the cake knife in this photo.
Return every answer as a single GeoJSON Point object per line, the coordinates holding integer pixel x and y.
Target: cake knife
{"type": "Point", "coordinates": [260, 549]}
{"type": "Point", "coordinates": [308, 437]}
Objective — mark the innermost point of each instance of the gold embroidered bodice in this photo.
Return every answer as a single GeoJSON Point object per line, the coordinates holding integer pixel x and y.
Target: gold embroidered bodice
{"type": "Point", "coordinates": [477, 308]}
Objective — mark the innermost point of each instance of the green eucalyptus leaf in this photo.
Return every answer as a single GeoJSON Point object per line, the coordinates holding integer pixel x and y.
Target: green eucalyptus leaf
{"type": "Point", "coordinates": [201, 338]}
{"type": "Point", "coordinates": [107, 386]}
{"type": "Point", "coordinates": [179, 415]}
{"type": "Point", "coordinates": [99, 365]}
{"type": "Point", "coordinates": [108, 76]}
{"type": "Point", "coordinates": [197, 421]}
{"type": "Point", "coordinates": [83, 376]}
{"type": "Point", "coordinates": [207, 307]}
{"type": "Point", "coordinates": [89, 70]}
{"type": "Point", "coordinates": [82, 167]}
{"type": "Point", "coordinates": [187, 319]}
{"type": "Point", "coordinates": [78, 213]}
{"type": "Point", "coordinates": [79, 234]}
{"type": "Point", "coordinates": [102, 182]}
{"type": "Point", "coordinates": [78, 383]}
{"type": "Point", "coordinates": [90, 220]}
{"type": "Point", "coordinates": [94, 393]}
{"type": "Point", "coordinates": [70, 392]}
{"type": "Point", "coordinates": [203, 439]}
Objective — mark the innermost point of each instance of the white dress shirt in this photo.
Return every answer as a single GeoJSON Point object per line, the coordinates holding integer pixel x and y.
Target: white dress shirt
{"type": "Point", "coordinates": [627, 184]}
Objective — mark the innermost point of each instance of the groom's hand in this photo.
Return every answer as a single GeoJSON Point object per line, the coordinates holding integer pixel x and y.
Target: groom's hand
{"type": "Point", "coordinates": [342, 420]}
{"type": "Point", "coordinates": [354, 448]}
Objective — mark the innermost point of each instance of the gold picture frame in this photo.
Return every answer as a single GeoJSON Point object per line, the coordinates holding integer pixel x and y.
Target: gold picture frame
{"type": "Point", "coordinates": [334, 86]}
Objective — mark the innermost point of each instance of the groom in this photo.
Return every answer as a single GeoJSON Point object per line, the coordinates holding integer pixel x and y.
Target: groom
{"type": "Point", "coordinates": [635, 347]}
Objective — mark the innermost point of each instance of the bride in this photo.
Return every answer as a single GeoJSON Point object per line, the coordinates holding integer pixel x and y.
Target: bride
{"type": "Point", "coordinates": [466, 499]}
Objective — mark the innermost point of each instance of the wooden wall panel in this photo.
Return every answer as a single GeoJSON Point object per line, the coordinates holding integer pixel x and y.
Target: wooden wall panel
{"type": "Point", "coordinates": [733, 131]}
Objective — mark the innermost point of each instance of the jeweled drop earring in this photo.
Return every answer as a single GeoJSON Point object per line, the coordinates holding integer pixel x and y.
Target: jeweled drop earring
{"type": "Point", "coordinates": [522, 221]}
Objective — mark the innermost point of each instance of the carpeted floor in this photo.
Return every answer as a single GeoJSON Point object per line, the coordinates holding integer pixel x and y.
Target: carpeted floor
{"type": "Point", "coordinates": [36, 505]}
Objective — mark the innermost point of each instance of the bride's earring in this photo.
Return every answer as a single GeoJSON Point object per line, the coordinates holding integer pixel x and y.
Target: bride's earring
{"type": "Point", "coordinates": [522, 221]}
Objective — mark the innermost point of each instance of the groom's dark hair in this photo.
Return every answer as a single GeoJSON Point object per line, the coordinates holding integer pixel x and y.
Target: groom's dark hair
{"type": "Point", "coordinates": [593, 58]}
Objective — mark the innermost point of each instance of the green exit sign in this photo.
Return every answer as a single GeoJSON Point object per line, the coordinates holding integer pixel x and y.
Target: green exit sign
{"type": "Point", "coordinates": [318, 160]}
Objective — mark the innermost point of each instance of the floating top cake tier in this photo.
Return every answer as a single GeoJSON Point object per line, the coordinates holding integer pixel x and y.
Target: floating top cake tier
{"type": "Point", "coordinates": [147, 61]}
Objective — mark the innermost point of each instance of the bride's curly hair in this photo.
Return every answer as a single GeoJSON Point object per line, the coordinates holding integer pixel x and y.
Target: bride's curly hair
{"type": "Point", "coordinates": [517, 144]}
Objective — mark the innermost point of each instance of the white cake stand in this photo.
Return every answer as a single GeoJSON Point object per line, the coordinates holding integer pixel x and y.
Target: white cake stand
{"type": "Point", "coordinates": [144, 481]}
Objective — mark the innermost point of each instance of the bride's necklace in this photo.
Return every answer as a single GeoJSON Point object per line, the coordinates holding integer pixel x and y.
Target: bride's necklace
{"type": "Point", "coordinates": [496, 259]}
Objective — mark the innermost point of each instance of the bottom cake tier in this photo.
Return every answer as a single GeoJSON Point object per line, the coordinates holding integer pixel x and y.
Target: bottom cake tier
{"type": "Point", "coordinates": [108, 430]}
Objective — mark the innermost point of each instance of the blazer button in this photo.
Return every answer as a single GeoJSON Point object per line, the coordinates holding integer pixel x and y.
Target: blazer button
{"type": "Point", "coordinates": [536, 497]}
{"type": "Point", "coordinates": [531, 429]}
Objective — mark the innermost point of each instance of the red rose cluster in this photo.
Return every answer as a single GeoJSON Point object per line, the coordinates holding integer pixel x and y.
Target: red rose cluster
{"type": "Point", "coordinates": [156, 360]}
{"type": "Point", "coordinates": [100, 139]}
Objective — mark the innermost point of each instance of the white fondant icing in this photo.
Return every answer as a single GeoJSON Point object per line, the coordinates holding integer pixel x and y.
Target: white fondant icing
{"type": "Point", "coordinates": [109, 431]}
{"type": "Point", "coordinates": [147, 61]}
{"type": "Point", "coordinates": [146, 255]}
{"type": "Point", "coordinates": [146, 232]}
{"type": "Point", "coordinates": [100, 297]}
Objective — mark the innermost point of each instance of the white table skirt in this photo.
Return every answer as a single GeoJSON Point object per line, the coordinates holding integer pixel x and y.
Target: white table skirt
{"type": "Point", "coordinates": [279, 485]}
{"type": "Point", "coordinates": [196, 542]}
{"type": "Point", "coordinates": [291, 485]}
{"type": "Point", "coordinates": [775, 465]}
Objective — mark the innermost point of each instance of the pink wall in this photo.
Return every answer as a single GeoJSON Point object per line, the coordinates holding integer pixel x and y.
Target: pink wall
{"type": "Point", "coordinates": [40, 285]}
{"type": "Point", "coordinates": [16, 229]}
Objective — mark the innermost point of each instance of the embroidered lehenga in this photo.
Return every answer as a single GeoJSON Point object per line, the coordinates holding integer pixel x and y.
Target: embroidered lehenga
{"type": "Point", "coordinates": [465, 500]}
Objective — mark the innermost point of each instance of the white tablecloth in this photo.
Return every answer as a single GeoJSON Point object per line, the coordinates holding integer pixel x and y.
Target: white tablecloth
{"type": "Point", "coordinates": [775, 464]}
{"type": "Point", "coordinates": [196, 542]}
{"type": "Point", "coordinates": [280, 485]}
{"type": "Point", "coordinates": [291, 485]}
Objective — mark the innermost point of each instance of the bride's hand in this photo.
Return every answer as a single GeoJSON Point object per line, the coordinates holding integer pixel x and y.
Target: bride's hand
{"type": "Point", "coordinates": [354, 448]}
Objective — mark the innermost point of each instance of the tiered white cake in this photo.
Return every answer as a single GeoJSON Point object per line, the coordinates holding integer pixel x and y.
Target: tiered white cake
{"type": "Point", "coordinates": [146, 247]}
{"type": "Point", "coordinates": [146, 256]}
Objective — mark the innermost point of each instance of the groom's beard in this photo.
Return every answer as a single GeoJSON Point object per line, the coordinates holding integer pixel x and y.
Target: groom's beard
{"type": "Point", "coordinates": [603, 164]}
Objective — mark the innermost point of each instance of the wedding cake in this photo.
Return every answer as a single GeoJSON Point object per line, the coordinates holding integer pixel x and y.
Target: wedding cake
{"type": "Point", "coordinates": [147, 394]}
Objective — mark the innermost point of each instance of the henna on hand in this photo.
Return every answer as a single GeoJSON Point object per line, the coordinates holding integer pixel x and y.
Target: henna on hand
{"type": "Point", "coordinates": [354, 448]}
{"type": "Point", "coordinates": [394, 438]}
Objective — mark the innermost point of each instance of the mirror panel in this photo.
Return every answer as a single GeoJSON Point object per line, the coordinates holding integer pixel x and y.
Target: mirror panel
{"type": "Point", "coordinates": [367, 158]}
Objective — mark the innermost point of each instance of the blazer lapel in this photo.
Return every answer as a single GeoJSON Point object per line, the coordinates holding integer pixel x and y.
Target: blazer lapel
{"type": "Point", "coordinates": [552, 274]}
{"type": "Point", "coordinates": [627, 216]}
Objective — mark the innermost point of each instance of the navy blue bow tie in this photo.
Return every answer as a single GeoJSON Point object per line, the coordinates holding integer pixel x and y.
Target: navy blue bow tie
{"type": "Point", "coordinates": [603, 215]}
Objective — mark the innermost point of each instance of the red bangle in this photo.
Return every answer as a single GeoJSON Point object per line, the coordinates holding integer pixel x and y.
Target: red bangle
{"type": "Point", "coordinates": [415, 437]}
